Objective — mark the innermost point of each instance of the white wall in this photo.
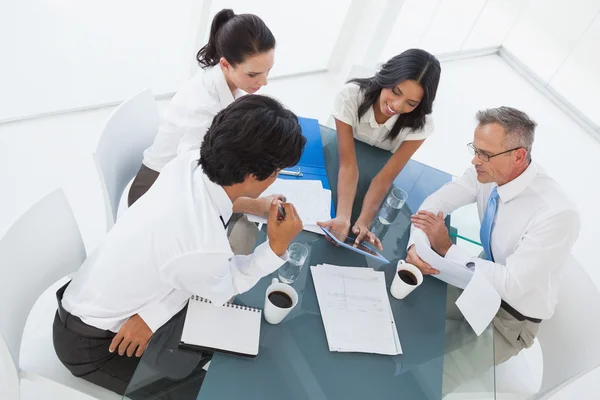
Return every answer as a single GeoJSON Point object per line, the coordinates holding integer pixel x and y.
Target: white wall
{"type": "Point", "coordinates": [493, 24]}
{"type": "Point", "coordinates": [448, 26]}
{"type": "Point", "coordinates": [306, 31]}
{"type": "Point", "coordinates": [547, 31]}
{"type": "Point", "coordinates": [578, 79]}
{"type": "Point", "coordinates": [64, 54]}
{"type": "Point", "coordinates": [560, 42]}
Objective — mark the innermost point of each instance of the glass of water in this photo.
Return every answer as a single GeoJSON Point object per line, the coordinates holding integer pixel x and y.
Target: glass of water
{"type": "Point", "coordinates": [290, 271]}
{"type": "Point", "coordinates": [392, 206]}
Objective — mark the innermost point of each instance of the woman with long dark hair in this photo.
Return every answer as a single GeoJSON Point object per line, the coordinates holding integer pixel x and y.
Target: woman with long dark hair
{"type": "Point", "coordinates": [235, 61]}
{"type": "Point", "coordinates": [391, 111]}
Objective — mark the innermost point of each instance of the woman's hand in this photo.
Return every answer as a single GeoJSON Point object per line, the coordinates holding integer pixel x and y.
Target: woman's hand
{"type": "Point", "coordinates": [338, 226]}
{"type": "Point", "coordinates": [362, 232]}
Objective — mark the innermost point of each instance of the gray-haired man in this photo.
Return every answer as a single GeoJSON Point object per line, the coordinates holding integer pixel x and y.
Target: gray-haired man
{"type": "Point", "coordinates": [528, 226]}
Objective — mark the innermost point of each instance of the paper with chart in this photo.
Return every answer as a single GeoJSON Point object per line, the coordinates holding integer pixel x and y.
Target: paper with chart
{"type": "Point", "coordinates": [356, 310]}
{"type": "Point", "coordinates": [451, 273]}
{"type": "Point", "coordinates": [312, 202]}
{"type": "Point", "coordinates": [479, 302]}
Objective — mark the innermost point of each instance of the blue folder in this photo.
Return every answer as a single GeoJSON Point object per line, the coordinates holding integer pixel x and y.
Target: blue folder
{"type": "Point", "coordinates": [312, 162]}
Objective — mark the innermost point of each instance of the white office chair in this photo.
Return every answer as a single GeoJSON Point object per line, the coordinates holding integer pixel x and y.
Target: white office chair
{"type": "Point", "coordinates": [565, 349]}
{"type": "Point", "coordinates": [23, 385]}
{"type": "Point", "coordinates": [129, 130]}
{"type": "Point", "coordinates": [569, 340]}
{"type": "Point", "coordinates": [37, 254]}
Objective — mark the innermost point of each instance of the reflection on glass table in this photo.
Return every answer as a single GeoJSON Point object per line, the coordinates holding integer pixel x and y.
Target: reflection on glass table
{"type": "Point", "coordinates": [441, 354]}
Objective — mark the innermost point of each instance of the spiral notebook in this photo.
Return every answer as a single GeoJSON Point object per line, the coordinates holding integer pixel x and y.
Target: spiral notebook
{"type": "Point", "coordinates": [230, 328]}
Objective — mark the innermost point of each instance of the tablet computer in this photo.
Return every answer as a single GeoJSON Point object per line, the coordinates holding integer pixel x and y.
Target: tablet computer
{"type": "Point", "coordinates": [348, 242]}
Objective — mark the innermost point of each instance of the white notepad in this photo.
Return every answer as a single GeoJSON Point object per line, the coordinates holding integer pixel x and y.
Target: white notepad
{"type": "Point", "coordinates": [229, 328]}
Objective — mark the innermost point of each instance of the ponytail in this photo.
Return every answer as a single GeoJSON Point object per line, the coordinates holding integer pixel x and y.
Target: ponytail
{"type": "Point", "coordinates": [208, 56]}
{"type": "Point", "coordinates": [235, 37]}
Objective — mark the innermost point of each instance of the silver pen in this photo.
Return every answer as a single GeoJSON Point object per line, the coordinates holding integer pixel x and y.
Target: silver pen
{"type": "Point", "coordinates": [291, 173]}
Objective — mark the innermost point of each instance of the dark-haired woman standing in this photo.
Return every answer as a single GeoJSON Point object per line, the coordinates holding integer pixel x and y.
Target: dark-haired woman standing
{"type": "Point", "coordinates": [390, 111]}
{"type": "Point", "coordinates": [235, 61]}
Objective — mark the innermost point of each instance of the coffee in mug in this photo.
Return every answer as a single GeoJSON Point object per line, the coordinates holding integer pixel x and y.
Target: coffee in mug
{"type": "Point", "coordinates": [280, 299]}
{"type": "Point", "coordinates": [406, 279]}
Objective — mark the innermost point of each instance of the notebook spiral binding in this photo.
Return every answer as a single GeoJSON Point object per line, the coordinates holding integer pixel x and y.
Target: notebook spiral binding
{"type": "Point", "coordinates": [229, 305]}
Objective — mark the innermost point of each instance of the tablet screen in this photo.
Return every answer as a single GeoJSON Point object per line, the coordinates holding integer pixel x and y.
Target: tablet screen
{"type": "Point", "coordinates": [349, 241]}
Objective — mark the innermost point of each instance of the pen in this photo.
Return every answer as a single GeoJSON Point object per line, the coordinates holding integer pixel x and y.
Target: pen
{"type": "Point", "coordinates": [281, 212]}
{"type": "Point", "coordinates": [291, 173]}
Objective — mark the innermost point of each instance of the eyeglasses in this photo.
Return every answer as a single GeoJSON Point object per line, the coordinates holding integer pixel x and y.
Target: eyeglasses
{"type": "Point", "coordinates": [485, 157]}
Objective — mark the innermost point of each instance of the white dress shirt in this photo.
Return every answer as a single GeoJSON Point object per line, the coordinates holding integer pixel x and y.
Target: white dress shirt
{"type": "Point", "coordinates": [188, 116]}
{"type": "Point", "coordinates": [169, 245]}
{"type": "Point", "coordinates": [368, 130]}
{"type": "Point", "coordinates": [535, 228]}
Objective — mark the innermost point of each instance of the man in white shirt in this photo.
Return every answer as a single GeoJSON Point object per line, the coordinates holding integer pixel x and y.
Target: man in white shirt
{"type": "Point", "coordinates": [172, 243]}
{"type": "Point", "coordinates": [528, 226]}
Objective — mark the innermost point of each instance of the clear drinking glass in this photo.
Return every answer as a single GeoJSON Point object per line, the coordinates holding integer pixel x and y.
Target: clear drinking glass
{"type": "Point", "coordinates": [392, 206]}
{"type": "Point", "coordinates": [289, 271]}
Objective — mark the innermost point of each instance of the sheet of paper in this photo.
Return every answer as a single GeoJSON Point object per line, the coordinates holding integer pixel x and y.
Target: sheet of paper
{"type": "Point", "coordinates": [479, 302]}
{"type": "Point", "coordinates": [451, 273]}
{"type": "Point", "coordinates": [312, 202]}
{"type": "Point", "coordinates": [355, 309]}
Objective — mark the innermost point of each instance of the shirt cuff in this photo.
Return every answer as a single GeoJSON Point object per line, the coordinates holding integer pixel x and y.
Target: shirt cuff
{"type": "Point", "coordinates": [155, 316]}
{"type": "Point", "coordinates": [458, 255]}
{"type": "Point", "coordinates": [267, 259]}
{"type": "Point", "coordinates": [414, 232]}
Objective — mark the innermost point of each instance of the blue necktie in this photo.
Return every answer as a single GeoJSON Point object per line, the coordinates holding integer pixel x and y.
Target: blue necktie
{"type": "Point", "coordinates": [488, 221]}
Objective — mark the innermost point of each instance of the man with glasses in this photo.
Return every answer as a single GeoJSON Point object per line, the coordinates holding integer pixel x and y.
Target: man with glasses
{"type": "Point", "coordinates": [528, 226]}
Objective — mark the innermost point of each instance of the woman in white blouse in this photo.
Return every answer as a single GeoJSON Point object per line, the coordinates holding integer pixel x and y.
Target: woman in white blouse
{"type": "Point", "coordinates": [390, 111]}
{"type": "Point", "coordinates": [235, 61]}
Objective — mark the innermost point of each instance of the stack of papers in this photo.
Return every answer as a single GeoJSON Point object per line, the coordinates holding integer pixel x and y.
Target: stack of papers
{"type": "Point", "coordinates": [312, 202]}
{"type": "Point", "coordinates": [356, 310]}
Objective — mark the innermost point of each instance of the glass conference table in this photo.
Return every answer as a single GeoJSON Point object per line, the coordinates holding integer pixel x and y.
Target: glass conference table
{"type": "Point", "coordinates": [441, 354]}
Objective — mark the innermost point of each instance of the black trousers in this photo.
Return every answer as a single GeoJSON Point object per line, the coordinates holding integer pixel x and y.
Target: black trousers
{"type": "Point", "coordinates": [143, 181]}
{"type": "Point", "coordinates": [86, 354]}
{"type": "Point", "coordinates": [83, 349]}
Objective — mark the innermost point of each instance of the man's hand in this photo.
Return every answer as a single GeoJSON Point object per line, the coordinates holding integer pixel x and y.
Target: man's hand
{"type": "Point", "coordinates": [282, 232]}
{"type": "Point", "coordinates": [413, 258]}
{"type": "Point", "coordinates": [264, 204]}
{"type": "Point", "coordinates": [435, 229]}
{"type": "Point", "coordinates": [336, 225]}
{"type": "Point", "coordinates": [133, 337]}
{"type": "Point", "coordinates": [362, 232]}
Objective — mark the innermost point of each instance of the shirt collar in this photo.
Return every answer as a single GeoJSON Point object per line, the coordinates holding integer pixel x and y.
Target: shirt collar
{"type": "Point", "coordinates": [512, 189]}
{"type": "Point", "coordinates": [218, 77]}
{"type": "Point", "coordinates": [217, 194]}
{"type": "Point", "coordinates": [370, 117]}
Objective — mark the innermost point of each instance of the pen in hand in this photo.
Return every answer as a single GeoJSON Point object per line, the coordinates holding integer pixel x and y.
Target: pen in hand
{"type": "Point", "coordinates": [280, 209]}
{"type": "Point", "coordinates": [281, 212]}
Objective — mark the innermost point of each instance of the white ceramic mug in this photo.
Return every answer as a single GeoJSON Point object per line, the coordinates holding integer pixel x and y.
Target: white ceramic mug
{"type": "Point", "coordinates": [274, 314]}
{"type": "Point", "coordinates": [401, 289]}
